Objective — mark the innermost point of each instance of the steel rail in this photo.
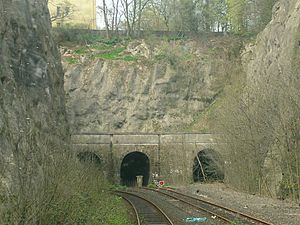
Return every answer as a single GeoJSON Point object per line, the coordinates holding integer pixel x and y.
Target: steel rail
{"type": "Point", "coordinates": [157, 209]}
{"type": "Point", "coordinates": [193, 205]}
{"type": "Point", "coordinates": [235, 212]}
{"type": "Point", "coordinates": [134, 209]}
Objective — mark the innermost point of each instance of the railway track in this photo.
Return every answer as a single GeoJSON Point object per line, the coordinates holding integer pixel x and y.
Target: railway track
{"type": "Point", "coordinates": [215, 210]}
{"type": "Point", "coordinates": [147, 212]}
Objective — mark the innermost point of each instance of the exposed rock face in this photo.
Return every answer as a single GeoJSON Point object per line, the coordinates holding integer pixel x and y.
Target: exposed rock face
{"type": "Point", "coordinates": [273, 53]}
{"type": "Point", "coordinates": [32, 111]}
{"type": "Point", "coordinates": [147, 95]}
{"type": "Point", "coordinates": [273, 71]}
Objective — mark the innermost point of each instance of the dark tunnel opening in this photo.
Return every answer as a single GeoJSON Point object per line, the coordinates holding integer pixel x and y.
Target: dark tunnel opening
{"type": "Point", "coordinates": [208, 166]}
{"type": "Point", "coordinates": [89, 159]}
{"type": "Point", "coordinates": [135, 164]}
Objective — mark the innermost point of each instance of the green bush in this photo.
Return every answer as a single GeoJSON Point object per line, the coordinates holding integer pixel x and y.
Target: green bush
{"type": "Point", "coordinates": [57, 189]}
{"type": "Point", "coordinates": [86, 201]}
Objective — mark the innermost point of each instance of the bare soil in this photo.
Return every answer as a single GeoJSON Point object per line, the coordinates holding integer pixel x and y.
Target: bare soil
{"type": "Point", "coordinates": [272, 210]}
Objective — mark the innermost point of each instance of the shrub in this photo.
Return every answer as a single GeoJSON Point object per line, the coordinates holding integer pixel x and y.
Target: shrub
{"type": "Point", "coordinates": [49, 186]}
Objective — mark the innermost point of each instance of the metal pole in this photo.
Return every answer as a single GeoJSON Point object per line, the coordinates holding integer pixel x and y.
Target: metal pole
{"type": "Point", "coordinates": [159, 136]}
{"type": "Point", "coordinates": [111, 166]}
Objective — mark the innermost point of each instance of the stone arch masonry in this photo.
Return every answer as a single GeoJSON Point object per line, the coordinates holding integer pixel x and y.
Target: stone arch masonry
{"type": "Point", "coordinates": [171, 155]}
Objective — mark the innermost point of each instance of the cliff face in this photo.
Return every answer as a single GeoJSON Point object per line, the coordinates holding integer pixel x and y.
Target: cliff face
{"type": "Point", "coordinates": [32, 111]}
{"type": "Point", "coordinates": [273, 72]}
{"type": "Point", "coordinates": [148, 94]}
{"type": "Point", "coordinates": [273, 55]}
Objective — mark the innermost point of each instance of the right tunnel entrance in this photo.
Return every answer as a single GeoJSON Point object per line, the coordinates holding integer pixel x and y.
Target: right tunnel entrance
{"type": "Point", "coordinates": [208, 166]}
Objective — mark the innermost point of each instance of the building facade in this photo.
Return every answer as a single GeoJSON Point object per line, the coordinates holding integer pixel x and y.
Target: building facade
{"type": "Point", "coordinates": [73, 13]}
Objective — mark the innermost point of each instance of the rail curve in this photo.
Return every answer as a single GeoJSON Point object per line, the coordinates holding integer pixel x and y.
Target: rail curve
{"type": "Point", "coordinates": [146, 211]}
{"type": "Point", "coordinates": [224, 213]}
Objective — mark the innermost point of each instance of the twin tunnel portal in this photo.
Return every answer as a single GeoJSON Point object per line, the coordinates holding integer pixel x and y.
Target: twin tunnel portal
{"type": "Point", "coordinates": [176, 158]}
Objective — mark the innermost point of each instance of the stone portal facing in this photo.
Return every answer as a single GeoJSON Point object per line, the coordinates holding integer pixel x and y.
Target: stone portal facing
{"type": "Point", "coordinates": [164, 156]}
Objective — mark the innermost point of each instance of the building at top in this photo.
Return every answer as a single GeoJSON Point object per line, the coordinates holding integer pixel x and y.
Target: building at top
{"type": "Point", "coordinates": [73, 13]}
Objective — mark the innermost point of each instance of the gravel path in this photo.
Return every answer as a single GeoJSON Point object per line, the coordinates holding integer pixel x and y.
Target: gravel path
{"type": "Point", "coordinates": [276, 211]}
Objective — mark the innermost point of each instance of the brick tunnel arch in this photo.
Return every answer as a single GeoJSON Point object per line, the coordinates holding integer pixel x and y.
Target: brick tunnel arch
{"type": "Point", "coordinates": [208, 166]}
{"type": "Point", "coordinates": [135, 164]}
{"type": "Point", "coordinates": [90, 159]}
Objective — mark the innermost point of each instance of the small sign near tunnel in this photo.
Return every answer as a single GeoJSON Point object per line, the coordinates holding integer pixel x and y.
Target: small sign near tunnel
{"type": "Point", "coordinates": [161, 183]}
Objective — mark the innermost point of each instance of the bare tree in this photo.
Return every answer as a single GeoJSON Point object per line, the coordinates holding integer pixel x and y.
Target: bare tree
{"type": "Point", "coordinates": [64, 10]}
{"type": "Point", "coordinates": [133, 11]}
{"type": "Point", "coordinates": [111, 15]}
{"type": "Point", "coordinates": [163, 9]}
{"type": "Point", "coordinates": [142, 4]}
{"type": "Point", "coordinates": [105, 11]}
{"type": "Point", "coordinates": [260, 126]}
{"type": "Point", "coordinates": [115, 16]}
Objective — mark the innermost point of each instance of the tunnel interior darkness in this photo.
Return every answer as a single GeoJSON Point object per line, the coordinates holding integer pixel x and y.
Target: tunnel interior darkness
{"type": "Point", "coordinates": [89, 159]}
{"type": "Point", "coordinates": [135, 164]}
{"type": "Point", "coordinates": [210, 167]}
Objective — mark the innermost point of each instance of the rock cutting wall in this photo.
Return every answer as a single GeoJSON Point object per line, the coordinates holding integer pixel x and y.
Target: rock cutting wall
{"type": "Point", "coordinates": [32, 106]}
{"type": "Point", "coordinates": [149, 94]}
{"type": "Point", "coordinates": [276, 47]}
{"type": "Point", "coordinates": [273, 69]}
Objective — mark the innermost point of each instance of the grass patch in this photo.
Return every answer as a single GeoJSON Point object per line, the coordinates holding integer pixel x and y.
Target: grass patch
{"type": "Point", "coordinates": [105, 52]}
{"type": "Point", "coordinates": [152, 185]}
{"type": "Point", "coordinates": [81, 51]}
{"type": "Point", "coordinates": [112, 41]}
{"type": "Point", "coordinates": [71, 60]}
{"type": "Point", "coordinates": [100, 46]}
{"type": "Point", "coordinates": [130, 58]}
{"type": "Point", "coordinates": [112, 55]}
{"type": "Point", "coordinates": [116, 54]}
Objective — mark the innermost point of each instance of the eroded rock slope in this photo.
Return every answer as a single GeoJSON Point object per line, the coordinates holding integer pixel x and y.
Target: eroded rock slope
{"type": "Point", "coordinates": [163, 90]}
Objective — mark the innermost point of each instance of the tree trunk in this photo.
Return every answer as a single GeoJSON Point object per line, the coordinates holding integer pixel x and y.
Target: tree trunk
{"type": "Point", "coordinates": [127, 18]}
{"type": "Point", "coordinates": [106, 19]}
{"type": "Point", "coordinates": [117, 18]}
{"type": "Point", "coordinates": [139, 19]}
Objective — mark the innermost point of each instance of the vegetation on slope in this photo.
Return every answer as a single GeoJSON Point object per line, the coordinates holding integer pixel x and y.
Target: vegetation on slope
{"type": "Point", "coordinates": [54, 188]}
{"type": "Point", "coordinates": [257, 119]}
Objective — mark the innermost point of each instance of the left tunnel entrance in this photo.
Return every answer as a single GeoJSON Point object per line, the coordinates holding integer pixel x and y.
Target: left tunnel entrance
{"type": "Point", "coordinates": [89, 159]}
{"type": "Point", "coordinates": [135, 164]}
